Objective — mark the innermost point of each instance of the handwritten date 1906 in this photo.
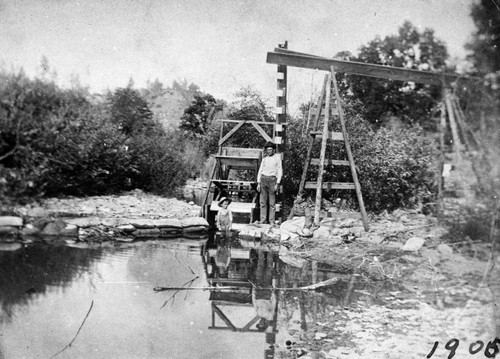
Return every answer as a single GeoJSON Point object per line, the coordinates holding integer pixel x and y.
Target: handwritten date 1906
{"type": "Point", "coordinates": [490, 351]}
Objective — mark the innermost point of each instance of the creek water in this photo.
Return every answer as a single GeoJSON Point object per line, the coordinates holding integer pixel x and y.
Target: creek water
{"type": "Point", "coordinates": [101, 300]}
{"type": "Point", "coordinates": [178, 298]}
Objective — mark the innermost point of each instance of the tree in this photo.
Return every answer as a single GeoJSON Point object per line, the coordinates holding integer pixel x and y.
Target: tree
{"type": "Point", "coordinates": [130, 111]}
{"type": "Point", "coordinates": [485, 43]}
{"type": "Point", "coordinates": [199, 115]}
{"type": "Point", "coordinates": [383, 99]}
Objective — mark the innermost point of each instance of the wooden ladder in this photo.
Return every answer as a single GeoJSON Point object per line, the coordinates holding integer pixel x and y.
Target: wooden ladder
{"type": "Point", "coordinates": [329, 84]}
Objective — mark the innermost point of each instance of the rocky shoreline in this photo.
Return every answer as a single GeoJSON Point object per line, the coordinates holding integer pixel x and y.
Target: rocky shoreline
{"type": "Point", "coordinates": [134, 215]}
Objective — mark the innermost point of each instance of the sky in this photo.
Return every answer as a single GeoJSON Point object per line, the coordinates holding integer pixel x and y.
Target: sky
{"type": "Point", "coordinates": [220, 45]}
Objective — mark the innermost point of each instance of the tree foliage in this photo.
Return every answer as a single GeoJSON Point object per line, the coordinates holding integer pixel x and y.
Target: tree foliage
{"type": "Point", "coordinates": [410, 102]}
{"type": "Point", "coordinates": [65, 142]}
{"type": "Point", "coordinates": [485, 43]}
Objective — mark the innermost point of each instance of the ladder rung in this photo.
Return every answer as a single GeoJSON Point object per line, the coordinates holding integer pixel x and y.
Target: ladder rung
{"type": "Point", "coordinates": [334, 111]}
{"type": "Point", "coordinates": [315, 161]}
{"type": "Point", "coordinates": [331, 185]}
{"type": "Point", "coordinates": [336, 136]}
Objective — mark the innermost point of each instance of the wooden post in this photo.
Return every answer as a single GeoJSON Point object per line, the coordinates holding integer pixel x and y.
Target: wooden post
{"type": "Point", "coordinates": [319, 189]}
{"type": "Point", "coordinates": [457, 144]}
{"type": "Point", "coordinates": [442, 131]}
{"type": "Point", "coordinates": [280, 128]}
{"type": "Point", "coordinates": [311, 138]}
{"type": "Point", "coordinates": [350, 157]}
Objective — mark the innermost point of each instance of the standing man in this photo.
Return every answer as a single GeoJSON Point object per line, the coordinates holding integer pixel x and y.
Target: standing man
{"type": "Point", "coordinates": [268, 180]}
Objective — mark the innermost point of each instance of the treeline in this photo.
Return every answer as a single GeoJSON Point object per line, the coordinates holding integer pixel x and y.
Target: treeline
{"type": "Point", "coordinates": [56, 141]}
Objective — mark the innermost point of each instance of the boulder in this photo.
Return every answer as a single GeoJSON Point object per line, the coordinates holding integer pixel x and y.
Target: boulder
{"type": "Point", "coordinates": [9, 230]}
{"type": "Point", "coordinates": [114, 222]}
{"type": "Point", "coordinates": [84, 222]}
{"type": "Point", "coordinates": [54, 228]}
{"type": "Point", "coordinates": [70, 230]}
{"type": "Point", "coordinates": [30, 230]}
{"type": "Point", "coordinates": [10, 246]}
{"type": "Point", "coordinates": [194, 222]}
{"type": "Point", "coordinates": [413, 244]}
{"type": "Point", "coordinates": [321, 233]}
{"type": "Point", "coordinates": [143, 223]}
{"type": "Point", "coordinates": [126, 228]}
{"type": "Point", "coordinates": [168, 223]}
{"type": "Point", "coordinates": [292, 227]}
{"type": "Point", "coordinates": [11, 221]}
{"type": "Point", "coordinates": [194, 229]}
{"type": "Point", "coordinates": [445, 250]}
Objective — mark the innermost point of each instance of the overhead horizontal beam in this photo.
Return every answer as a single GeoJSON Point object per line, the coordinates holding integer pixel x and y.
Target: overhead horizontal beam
{"type": "Point", "coordinates": [291, 58]}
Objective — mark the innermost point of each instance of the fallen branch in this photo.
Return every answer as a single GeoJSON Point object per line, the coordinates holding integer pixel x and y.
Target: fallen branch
{"type": "Point", "coordinates": [306, 288]}
{"type": "Point", "coordinates": [78, 332]}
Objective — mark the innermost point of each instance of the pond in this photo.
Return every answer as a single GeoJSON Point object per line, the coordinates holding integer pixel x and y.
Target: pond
{"type": "Point", "coordinates": [179, 298]}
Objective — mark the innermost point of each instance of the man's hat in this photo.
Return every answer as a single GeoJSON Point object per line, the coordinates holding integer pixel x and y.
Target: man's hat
{"type": "Point", "coordinates": [224, 199]}
{"type": "Point", "coordinates": [270, 144]}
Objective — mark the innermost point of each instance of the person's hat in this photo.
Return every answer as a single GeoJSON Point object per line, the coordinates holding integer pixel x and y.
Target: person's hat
{"type": "Point", "coordinates": [224, 199]}
{"type": "Point", "coordinates": [270, 144]}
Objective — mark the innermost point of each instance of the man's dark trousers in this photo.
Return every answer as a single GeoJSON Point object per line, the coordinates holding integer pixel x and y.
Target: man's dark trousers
{"type": "Point", "coordinates": [267, 194]}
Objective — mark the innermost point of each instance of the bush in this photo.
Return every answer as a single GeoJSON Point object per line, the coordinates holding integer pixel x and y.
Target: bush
{"type": "Point", "coordinates": [396, 168]}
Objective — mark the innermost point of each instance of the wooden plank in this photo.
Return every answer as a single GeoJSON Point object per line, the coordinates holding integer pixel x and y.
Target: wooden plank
{"type": "Point", "coordinates": [224, 318]}
{"type": "Point", "coordinates": [242, 151]}
{"type": "Point", "coordinates": [331, 185]}
{"type": "Point", "coordinates": [261, 131]}
{"type": "Point", "coordinates": [233, 181]}
{"type": "Point", "coordinates": [315, 161]}
{"type": "Point", "coordinates": [230, 133]}
{"type": "Point", "coordinates": [359, 68]}
{"type": "Point", "coordinates": [334, 136]}
{"type": "Point", "coordinates": [226, 120]}
{"type": "Point", "coordinates": [240, 162]}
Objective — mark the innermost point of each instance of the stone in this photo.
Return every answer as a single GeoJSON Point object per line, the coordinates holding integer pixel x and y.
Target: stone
{"type": "Point", "coordinates": [374, 239]}
{"type": "Point", "coordinates": [143, 223]}
{"type": "Point", "coordinates": [148, 232]}
{"type": "Point", "coordinates": [321, 233]}
{"type": "Point", "coordinates": [30, 230]}
{"type": "Point", "coordinates": [11, 221]}
{"type": "Point", "coordinates": [10, 246]}
{"type": "Point", "coordinates": [84, 222]}
{"type": "Point", "coordinates": [8, 230]}
{"type": "Point", "coordinates": [445, 250]}
{"type": "Point", "coordinates": [54, 228]}
{"type": "Point", "coordinates": [413, 244]}
{"type": "Point", "coordinates": [168, 223]}
{"type": "Point", "coordinates": [70, 230]}
{"type": "Point", "coordinates": [194, 222]}
{"type": "Point", "coordinates": [126, 228]}
{"type": "Point", "coordinates": [114, 222]}
{"type": "Point", "coordinates": [194, 229]}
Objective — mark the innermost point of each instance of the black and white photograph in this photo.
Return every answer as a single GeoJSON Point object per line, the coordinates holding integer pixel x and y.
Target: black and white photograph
{"type": "Point", "coordinates": [242, 179]}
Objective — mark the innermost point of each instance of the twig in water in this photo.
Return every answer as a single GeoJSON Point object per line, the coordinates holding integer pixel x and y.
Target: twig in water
{"type": "Point", "coordinates": [78, 332]}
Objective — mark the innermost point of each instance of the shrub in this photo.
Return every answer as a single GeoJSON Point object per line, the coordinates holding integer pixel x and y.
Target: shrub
{"type": "Point", "coordinates": [396, 168]}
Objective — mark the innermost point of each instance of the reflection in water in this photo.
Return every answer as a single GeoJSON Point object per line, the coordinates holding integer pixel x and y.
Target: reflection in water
{"type": "Point", "coordinates": [45, 292]}
{"type": "Point", "coordinates": [26, 274]}
{"type": "Point", "coordinates": [257, 278]}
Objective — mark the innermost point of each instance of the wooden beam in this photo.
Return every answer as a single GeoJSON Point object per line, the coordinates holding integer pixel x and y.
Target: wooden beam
{"type": "Point", "coordinates": [359, 68]}
{"type": "Point", "coordinates": [315, 161]}
{"type": "Point", "coordinates": [330, 185]}
{"type": "Point", "coordinates": [261, 131]}
{"type": "Point", "coordinates": [225, 120]}
{"type": "Point", "coordinates": [230, 133]}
